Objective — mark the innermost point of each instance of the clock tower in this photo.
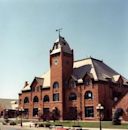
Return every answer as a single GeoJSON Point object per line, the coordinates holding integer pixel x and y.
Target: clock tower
{"type": "Point", "coordinates": [61, 67]}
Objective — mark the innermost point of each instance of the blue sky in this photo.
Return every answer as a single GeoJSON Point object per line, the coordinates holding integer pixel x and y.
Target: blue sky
{"type": "Point", "coordinates": [97, 28]}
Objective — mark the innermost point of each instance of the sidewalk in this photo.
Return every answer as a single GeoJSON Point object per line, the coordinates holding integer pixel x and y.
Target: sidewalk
{"type": "Point", "coordinates": [17, 127]}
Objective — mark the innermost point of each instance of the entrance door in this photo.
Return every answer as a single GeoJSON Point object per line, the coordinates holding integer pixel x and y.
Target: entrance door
{"type": "Point", "coordinates": [73, 113]}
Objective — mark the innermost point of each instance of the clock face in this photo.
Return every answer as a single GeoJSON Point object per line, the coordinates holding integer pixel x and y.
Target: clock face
{"type": "Point", "coordinates": [55, 61]}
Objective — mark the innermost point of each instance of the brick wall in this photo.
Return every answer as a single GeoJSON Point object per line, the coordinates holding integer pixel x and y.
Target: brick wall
{"type": "Point", "coordinates": [123, 103]}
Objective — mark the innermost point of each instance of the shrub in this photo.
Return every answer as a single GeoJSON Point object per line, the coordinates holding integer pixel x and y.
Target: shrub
{"type": "Point", "coordinates": [6, 120]}
{"type": "Point", "coordinates": [47, 125]}
{"type": "Point", "coordinates": [58, 125]}
{"type": "Point", "coordinates": [116, 118]}
{"type": "Point", "coordinates": [41, 125]}
{"type": "Point", "coordinates": [4, 123]}
{"type": "Point", "coordinates": [12, 123]}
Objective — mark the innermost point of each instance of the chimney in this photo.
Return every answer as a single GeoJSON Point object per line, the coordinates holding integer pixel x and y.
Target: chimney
{"type": "Point", "coordinates": [26, 84]}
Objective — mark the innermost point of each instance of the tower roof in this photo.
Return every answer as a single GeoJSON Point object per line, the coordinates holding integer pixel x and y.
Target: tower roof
{"type": "Point", "coordinates": [61, 45]}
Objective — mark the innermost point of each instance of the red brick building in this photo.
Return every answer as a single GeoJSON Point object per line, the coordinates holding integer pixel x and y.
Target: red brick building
{"type": "Point", "coordinates": [75, 88]}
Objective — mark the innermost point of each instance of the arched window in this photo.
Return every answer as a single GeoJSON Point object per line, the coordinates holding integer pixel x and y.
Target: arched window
{"type": "Point", "coordinates": [46, 98]}
{"type": "Point", "coordinates": [26, 100]}
{"type": "Point", "coordinates": [56, 85]}
{"type": "Point", "coordinates": [35, 99]}
{"type": "Point", "coordinates": [72, 96]}
{"type": "Point", "coordinates": [88, 95]}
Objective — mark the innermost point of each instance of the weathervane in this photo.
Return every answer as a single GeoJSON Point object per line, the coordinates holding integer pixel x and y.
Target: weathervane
{"type": "Point", "coordinates": [59, 30]}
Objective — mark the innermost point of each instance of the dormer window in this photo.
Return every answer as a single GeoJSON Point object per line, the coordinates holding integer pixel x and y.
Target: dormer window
{"type": "Point", "coordinates": [56, 46]}
{"type": "Point", "coordinates": [72, 83]}
{"type": "Point", "coordinates": [87, 82]}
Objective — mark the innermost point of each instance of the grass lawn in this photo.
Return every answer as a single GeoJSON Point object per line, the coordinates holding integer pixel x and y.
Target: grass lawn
{"type": "Point", "coordinates": [105, 124]}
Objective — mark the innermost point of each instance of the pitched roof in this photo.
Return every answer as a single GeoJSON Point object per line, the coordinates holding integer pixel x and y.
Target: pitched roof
{"type": "Point", "coordinates": [26, 88]}
{"type": "Point", "coordinates": [98, 69]}
{"type": "Point", "coordinates": [46, 79]}
{"type": "Point", "coordinates": [88, 66]}
{"type": "Point", "coordinates": [81, 71]}
{"type": "Point", "coordinates": [43, 80]}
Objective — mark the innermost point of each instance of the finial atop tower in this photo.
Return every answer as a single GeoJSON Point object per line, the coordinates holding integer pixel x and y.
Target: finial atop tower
{"type": "Point", "coordinates": [59, 30]}
{"type": "Point", "coordinates": [60, 45]}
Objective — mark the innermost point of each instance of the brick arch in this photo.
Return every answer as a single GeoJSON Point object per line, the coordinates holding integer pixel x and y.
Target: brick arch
{"type": "Point", "coordinates": [88, 95]}
{"type": "Point", "coordinates": [35, 99]}
{"type": "Point", "coordinates": [26, 100]}
{"type": "Point", "coordinates": [46, 98]}
{"type": "Point", "coordinates": [56, 84]}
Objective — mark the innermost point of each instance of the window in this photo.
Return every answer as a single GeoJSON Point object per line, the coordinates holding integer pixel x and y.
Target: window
{"type": "Point", "coordinates": [72, 113]}
{"type": "Point", "coordinates": [46, 110]}
{"type": "Point", "coordinates": [35, 99]}
{"type": "Point", "coordinates": [88, 95]}
{"type": "Point", "coordinates": [26, 112]}
{"type": "Point", "coordinates": [56, 97]}
{"type": "Point", "coordinates": [72, 83]}
{"type": "Point", "coordinates": [46, 98]}
{"type": "Point", "coordinates": [35, 111]}
{"type": "Point", "coordinates": [56, 85]}
{"type": "Point", "coordinates": [72, 96]}
{"type": "Point", "coordinates": [89, 111]}
{"type": "Point", "coordinates": [56, 46]}
{"type": "Point", "coordinates": [87, 81]}
{"type": "Point", "coordinates": [46, 114]}
{"type": "Point", "coordinates": [26, 100]}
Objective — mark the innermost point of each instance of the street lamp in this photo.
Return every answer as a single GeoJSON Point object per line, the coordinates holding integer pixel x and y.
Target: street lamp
{"type": "Point", "coordinates": [21, 110]}
{"type": "Point", "coordinates": [100, 108]}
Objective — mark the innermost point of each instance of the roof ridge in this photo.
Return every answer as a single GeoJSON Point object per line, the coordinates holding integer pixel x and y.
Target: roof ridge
{"type": "Point", "coordinates": [95, 69]}
{"type": "Point", "coordinates": [39, 77]}
{"type": "Point", "coordinates": [88, 58]}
